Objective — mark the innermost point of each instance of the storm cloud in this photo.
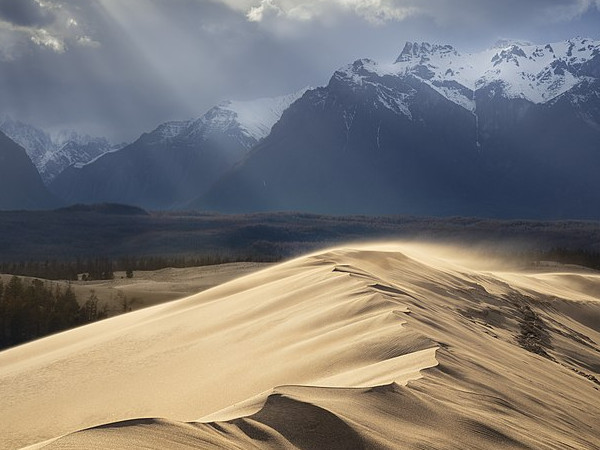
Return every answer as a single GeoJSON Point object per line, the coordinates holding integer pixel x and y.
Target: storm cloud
{"type": "Point", "coordinates": [442, 11]}
{"type": "Point", "coordinates": [120, 67]}
{"type": "Point", "coordinates": [25, 13]}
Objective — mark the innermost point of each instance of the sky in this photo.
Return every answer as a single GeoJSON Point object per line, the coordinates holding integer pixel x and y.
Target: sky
{"type": "Point", "coordinates": [118, 68]}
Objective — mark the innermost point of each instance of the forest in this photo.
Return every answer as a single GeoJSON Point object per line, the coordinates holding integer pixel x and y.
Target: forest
{"type": "Point", "coordinates": [32, 309]}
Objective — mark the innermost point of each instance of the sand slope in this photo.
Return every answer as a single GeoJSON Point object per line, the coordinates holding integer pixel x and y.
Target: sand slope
{"type": "Point", "coordinates": [382, 346]}
{"type": "Point", "coordinates": [149, 288]}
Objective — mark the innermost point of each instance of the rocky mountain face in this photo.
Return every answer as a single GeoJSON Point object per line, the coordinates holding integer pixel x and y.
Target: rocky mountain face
{"type": "Point", "coordinates": [20, 184]}
{"type": "Point", "coordinates": [511, 132]}
{"type": "Point", "coordinates": [173, 164]}
{"type": "Point", "coordinates": [51, 154]}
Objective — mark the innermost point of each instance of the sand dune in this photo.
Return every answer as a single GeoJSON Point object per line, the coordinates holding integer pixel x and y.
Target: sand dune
{"type": "Point", "coordinates": [377, 346]}
{"type": "Point", "coordinates": [152, 287]}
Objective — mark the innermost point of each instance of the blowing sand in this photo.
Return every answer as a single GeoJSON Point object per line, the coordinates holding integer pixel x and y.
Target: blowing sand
{"type": "Point", "coordinates": [153, 287]}
{"type": "Point", "coordinates": [380, 346]}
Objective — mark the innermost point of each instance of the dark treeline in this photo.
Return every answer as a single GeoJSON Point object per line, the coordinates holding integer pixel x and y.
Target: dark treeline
{"type": "Point", "coordinates": [93, 269]}
{"type": "Point", "coordinates": [104, 268]}
{"type": "Point", "coordinates": [181, 261]}
{"type": "Point", "coordinates": [29, 310]}
{"type": "Point", "coordinates": [583, 258]}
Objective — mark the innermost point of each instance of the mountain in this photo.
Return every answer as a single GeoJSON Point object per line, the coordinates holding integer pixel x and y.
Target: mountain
{"type": "Point", "coordinates": [37, 143]}
{"type": "Point", "coordinates": [509, 132]}
{"type": "Point", "coordinates": [176, 162]}
{"type": "Point", "coordinates": [20, 184]}
{"type": "Point", "coordinates": [72, 148]}
{"type": "Point", "coordinates": [51, 154]}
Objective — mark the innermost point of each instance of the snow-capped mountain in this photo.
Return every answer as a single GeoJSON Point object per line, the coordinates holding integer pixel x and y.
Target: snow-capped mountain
{"type": "Point", "coordinates": [513, 131]}
{"type": "Point", "coordinates": [537, 73]}
{"type": "Point", "coordinates": [255, 117]}
{"type": "Point", "coordinates": [78, 151]}
{"type": "Point", "coordinates": [177, 161]}
{"type": "Point", "coordinates": [51, 154]}
{"type": "Point", "coordinates": [248, 121]}
{"type": "Point", "coordinates": [37, 143]}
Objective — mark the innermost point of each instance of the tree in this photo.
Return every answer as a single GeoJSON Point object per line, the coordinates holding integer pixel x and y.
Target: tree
{"type": "Point", "coordinates": [3, 315]}
{"type": "Point", "coordinates": [13, 293]}
{"type": "Point", "coordinates": [91, 310]}
{"type": "Point", "coordinates": [66, 311]}
{"type": "Point", "coordinates": [126, 304]}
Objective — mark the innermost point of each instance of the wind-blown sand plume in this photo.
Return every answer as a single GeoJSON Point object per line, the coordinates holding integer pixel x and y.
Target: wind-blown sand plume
{"type": "Point", "coordinates": [368, 347]}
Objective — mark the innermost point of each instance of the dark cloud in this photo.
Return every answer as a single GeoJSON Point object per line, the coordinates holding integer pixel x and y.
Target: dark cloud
{"type": "Point", "coordinates": [27, 13]}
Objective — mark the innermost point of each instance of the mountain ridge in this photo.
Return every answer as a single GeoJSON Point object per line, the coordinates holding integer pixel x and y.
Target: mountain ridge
{"type": "Point", "coordinates": [403, 139]}
{"type": "Point", "coordinates": [169, 166]}
{"type": "Point", "coordinates": [52, 153]}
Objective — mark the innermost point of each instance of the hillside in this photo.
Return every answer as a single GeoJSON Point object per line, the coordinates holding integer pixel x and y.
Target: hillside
{"type": "Point", "coordinates": [20, 184]}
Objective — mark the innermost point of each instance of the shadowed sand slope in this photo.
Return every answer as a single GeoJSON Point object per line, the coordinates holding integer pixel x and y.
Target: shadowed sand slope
{"type": "Point", "coordinates": [379, 346]}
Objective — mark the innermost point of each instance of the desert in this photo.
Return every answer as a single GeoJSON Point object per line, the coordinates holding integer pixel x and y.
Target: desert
{"type": "Point", "coordinates": [383, 345]}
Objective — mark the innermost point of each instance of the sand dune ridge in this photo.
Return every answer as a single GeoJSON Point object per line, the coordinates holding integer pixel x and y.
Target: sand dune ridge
{"type": "Point", "coordinates": [375, 346]}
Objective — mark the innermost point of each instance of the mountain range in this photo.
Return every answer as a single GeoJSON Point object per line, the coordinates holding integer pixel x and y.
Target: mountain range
{"type": "Point", "coordinates": [170, 166]}
{"type": "Point", "coordinates": [513, 131]}
{"type": "Point", "coordinates": [510, 132]}
{"type": "Point", "coordinates": [51, 154]}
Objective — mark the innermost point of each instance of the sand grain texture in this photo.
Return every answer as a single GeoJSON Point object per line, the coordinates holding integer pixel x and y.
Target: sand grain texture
{"type": "Point", "coordinates": [380, 346]}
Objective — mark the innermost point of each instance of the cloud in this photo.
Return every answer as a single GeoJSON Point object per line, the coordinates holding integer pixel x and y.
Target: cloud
{"type": "Point", "coordinates": [25, 13]}
{"type": "Point", "coordinates": [379, 12]}
{"type": "Point", "coordinates": [53, 25]}
{"type": "Point", "coordinates": [374, 11]}
{"type": "Point", "coordinates": [86, 41]}
{"type": "Point", "coordinates": [43, 38]}
{"type": "Point", "coordinates": [265, 9]}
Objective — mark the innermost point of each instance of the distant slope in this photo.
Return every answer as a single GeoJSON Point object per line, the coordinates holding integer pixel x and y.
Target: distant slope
{"type": "Point", "coordinates": [176, 162]}
{"type": "Point", "coordinates": [51, 154]}
{"type": "Point", "coordinates": [115, 209]}
{"type": "Point", "coordinates": [20, 184]}
{"type": "Point", "coordinates": [381, 346]}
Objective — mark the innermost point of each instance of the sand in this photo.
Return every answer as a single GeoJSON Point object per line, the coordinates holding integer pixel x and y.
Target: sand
{"type": "Point", "coordinates": [153, 287]}
{"type": "Point", "coordinates": [375, 346]}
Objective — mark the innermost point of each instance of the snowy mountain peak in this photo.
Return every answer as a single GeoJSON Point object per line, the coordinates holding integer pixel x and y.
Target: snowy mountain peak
{"type": "Point", "coordinates": [510, 54]}
{"type": "Point", "coordinates": [246, 122]}
{"type": "Point", "coordinates": [35, 141]}
{"type": "Point", "coordinates": [51, 154]}
{"type": "Point", "coordinates": [422, 51]}
{"type": "Point", "coordinates": [515, 69]}
{"type": "Point", "coordinates": [537, 73]}
{"type": "Point", "coordinates": [170, 130]}
{"type": "Point", "coordinates": [501, 44]}
{"type": "Point", "coordinates": [257, 117]}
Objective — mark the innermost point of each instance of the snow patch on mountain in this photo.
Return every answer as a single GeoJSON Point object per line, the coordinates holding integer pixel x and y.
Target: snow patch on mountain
{"type": "Point", "coordinates": [35, 141]}
{"type": "Point", "coordinates": [52, 153]}
{"type": "Point", "coordinates": [248, 121]}
{"type": "Point", "coordinates": [364, 74]}
{"type": "Point", "coordinates": [244, 121]}
{"type": "Point", "coordinates": [170, 130]}
{"type": "Point", "coordinates": [257, 117]}
{"type": "Point", "coordinates": [538, 73]}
